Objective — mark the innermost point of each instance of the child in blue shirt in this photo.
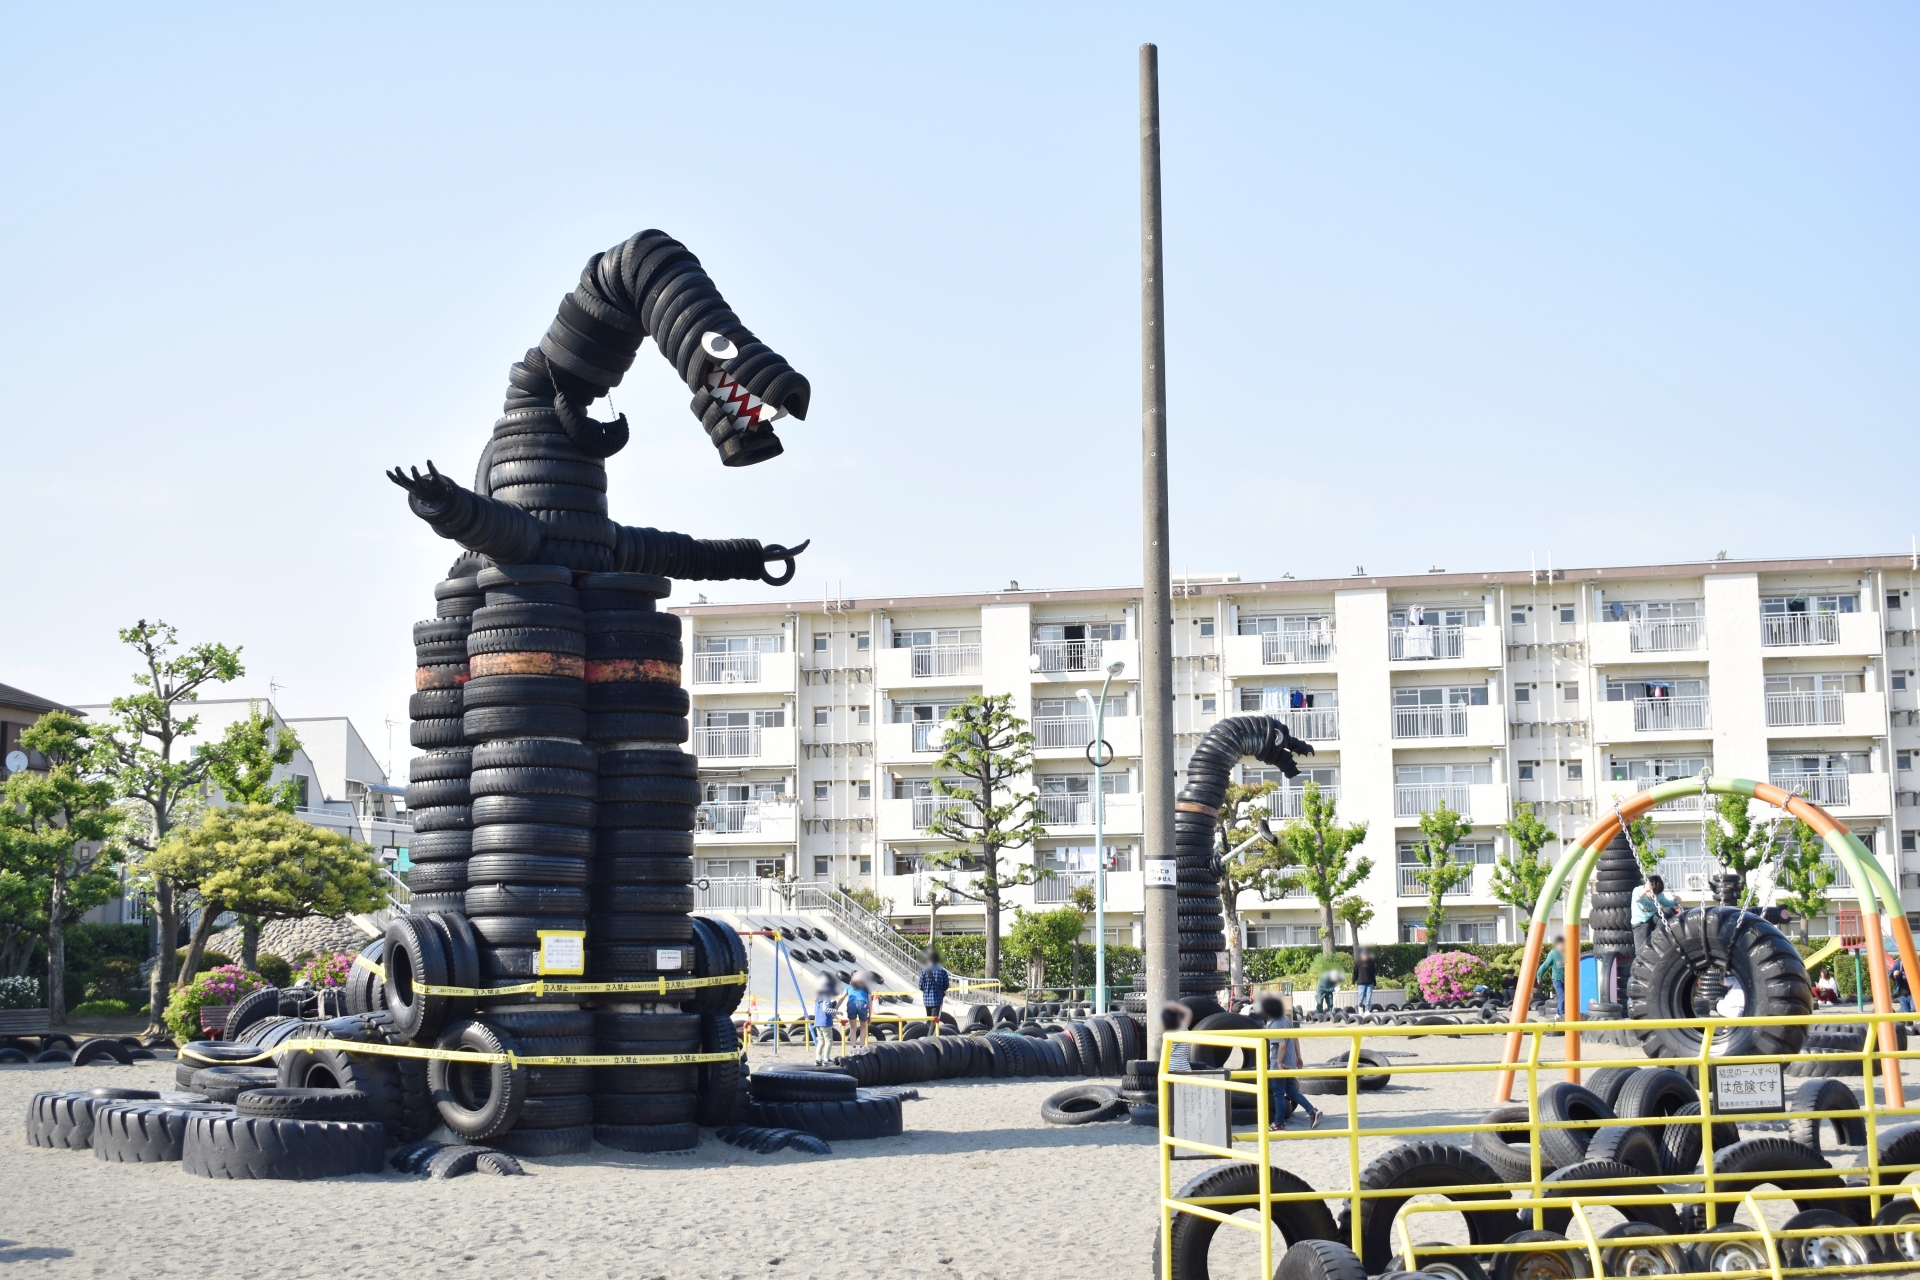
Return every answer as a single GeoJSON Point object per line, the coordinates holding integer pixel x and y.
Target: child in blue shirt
{"type": "Point", "coordinates": [823, 1001]}
{"type": "Point", "coordinates": [859, 1012]}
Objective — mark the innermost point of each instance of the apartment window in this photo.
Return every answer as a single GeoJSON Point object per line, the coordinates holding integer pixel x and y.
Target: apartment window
{"type": "Point", "coordinates": [1442, 775]}
{"type": "Point", "coordinates": [769, 718]}
{"type": "Point", "coordinates": [904, 864]}
{"type": "Point", "coordinates": [1523, 693]}
{"type": "Point", "coordinates": [1566, 613]}
{"type": "Point", "coordinates": [300, 792]}
{"type": "Point", "coordinates": [1208, 704]}
{"type": "Point", "coordinates": [862, 641]}
{"type": "Point", "coordinates": [1652, 610]}
{"type": "Point", "coordinates": [866, 865]}
{"type": "Point", "coordinates": [1570, 693]}
{"type": "Point", "coordinates": [1073, 708]}
{"type": "Point", "coordinates": [863, 789]}
{"type": "Point", "coordinates": [1649, 772]}
{"type": "Point", "coordinates": [1910, 842]}
{"type": "Point", "coordinates": [909, 712]}
{"type": "Point", "coordinates": [822, 868]}
{"type": "Point", "coordinates": [1903, 761]}
{"type": "Point", "coordinates": [1206, 628]}
{"type": "Point", "coordinates": [1893, 602]}
{"type": "Point", "coordinates": [820, 717]}
{"type": "Point", "coordinates": [1635, 690]}
{"type": "Point", "coordinates": [1519, 617]}
{"type": "Point", "coordinates": [820, 642]}
{"type": "Point", "coordinates": [863, 715]}
{"type": "Point", "coordinates": [822, 790]}
{"type": "Point", "coordinates": [936, 636]}
{"type": "Point", "coordinates": [1829, 682]}
{"type": "Point", "coordinates": [1283, 625]}
{"type": "Point", "coordinates": [1805, 602]}
{"type": "Point", "coordinates": [776, 643]}
{"type": "Point", "coordinates": [721, 792]}
{"type": "Point", "coordinates": [1526, 769]}
{"type": "Point", "coordinates": [1576, 770]}
{"type": "Point", "coordinates": [1474, 695]}
{"type": "Point", "coordinates": [1901, 681]}
{"type": "Point", "coordinates": [1287, 698]}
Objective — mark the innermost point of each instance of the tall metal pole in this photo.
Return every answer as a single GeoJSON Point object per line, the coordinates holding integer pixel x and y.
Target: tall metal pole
{"type": "Point", "coordinates": [1156, 605]}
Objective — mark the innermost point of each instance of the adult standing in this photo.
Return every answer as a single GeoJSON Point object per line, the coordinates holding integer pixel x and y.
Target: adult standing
{"type": "Point", "coordinates": [1363, 976]}
{"type": "Point", "coordinates": [1651, 903]}
{"type": "Point", "coordinates": [1554, 968]}
{"type": "Point", "coordinates": [934, 980]}
{"type": "Point", "coordinates": [1283, 1092]}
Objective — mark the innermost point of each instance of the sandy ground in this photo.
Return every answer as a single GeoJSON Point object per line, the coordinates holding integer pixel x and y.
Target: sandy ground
{"type": "Point", "coordinates": [978, 1187]}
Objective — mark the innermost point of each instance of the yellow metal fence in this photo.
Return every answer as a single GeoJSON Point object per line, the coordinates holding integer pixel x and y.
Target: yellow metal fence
{"type": "Point", "coordinates": [1882, 1181]}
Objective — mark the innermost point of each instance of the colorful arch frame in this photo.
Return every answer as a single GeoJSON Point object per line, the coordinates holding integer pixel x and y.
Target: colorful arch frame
{"type": "Point", "coordinates": [1879, 895]}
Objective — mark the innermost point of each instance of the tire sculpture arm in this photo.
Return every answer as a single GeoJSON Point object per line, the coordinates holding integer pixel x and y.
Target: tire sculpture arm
{"type": "Point", "coordinates": [486, 525]}
{"type": "Point", "coordinates": [675, 555]}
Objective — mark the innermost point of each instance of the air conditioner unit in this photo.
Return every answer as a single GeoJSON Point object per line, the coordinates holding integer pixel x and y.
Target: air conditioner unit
{"type": "Point", "coordinates": [1696, 882]}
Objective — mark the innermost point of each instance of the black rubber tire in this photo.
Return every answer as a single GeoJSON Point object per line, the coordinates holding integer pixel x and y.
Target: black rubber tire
{"type": "Point", "coordinates": [648, 899]}
{"type": "Point", "coordinates": [1680, 1142]}
{"type": "Point", "coordinates": [1207, 1056]}
{"type": "Point", "coordinates": [508, 964]}
{"type": "Point", "coordinates": [64, 1118]}
{"type": "Point", "coordinates": [633, 960]}
{"type": "Point", "coordinates": [485, 692]}
{"type": "Point", "coordinates": [225, 1084]}
{"type": "Point", "coordinates": [437, 791]}
{"type": "Point", "coordinates": [525, 781]}
{"type": "Point", "coordinates": [527, 614]}
{"type": "Point", "coordinates": [1631, 1145]}
{"type": "Point", "coordinates": [1560, 1264]}
{"type": "Point", "coordinates": [414, 953]}
{"type": "Point", "coordinates": [1191, 1237]}
{"type": "Point", "coordinates": [571, 1111]}
{"type": "Point", "coordinates": [437, 733]}
{"type": "Point", "coordinates": [455, 762]}
{"type": "Point", "coordinates": [566, 811]}
{"type": "Point", "coordinates": [671, 790]}
{"type": "Point", "coordinates": [1607, 1082]}
{"type": "Point", "coordinates": [543, 900]}
{"type": "Point", "coordinates": [648, 762]}
{"type": "Point", "coordinates": [252, 1147]}
{"type": "Point", "coordinates": [303, 1103]}
{"type": "Point", "coordinates": [1563, 1102]}
{"type": "Point", "coordinates": [1655, 1091]}
{"type": "Point", "coordinates": [647, 1138]}
{"type": "Point", "coordinates": [533, 838]}
{"type": "Point", "coordinates": [720, 1090]}
{"type": "Point", "coordinates": [1509, 1152]}
{"type": "Point", "coordinates": [527, 868]}
{"type": "Point", "coordinates": [717, 951]}
{"type": "Point", "coordinates": [652, 816]}
{"type": "Point", "coordinates": [446, 817]}
{"type": "Point", "coordinates": [527, 640]}
{"type": "Point", "coordinates": [145, 1132]}
{"type": "Point", "coordinates": [1602, 1174]}
{"type": "Point", "coordinates": [439, 877]}
{"type": "Point", "coordinates": [440, 846]}
{"type": "Point", "coordinates": [535, 753]}
{"type": "Point", "coordinates": [100, 1047]}
{"type": "Point", "coordinates": [639, 697]}
{"type": "Point", "coordinates": [1086, 1047]}
{"type": "Point", "coordinates": [1769, 968]}
{"type": "Point", "coordinates": [645, 1108]}
{"type": "Point", "coordinates": [522, 931]}
{"type": "Point", "coordinates": [520, 722]}
{"type": "Point", "coordinates": [1625, 1258]}
{"type": "Point", "coordinates": [851, 1119]}
{"type": "Point", "coordinates": [395, 1089]}
{"type": "Point", "coordinates": [1841, 1254]}
{"type": "Point", "coordinates": [663, 929]}
{"type": "Point", "coordinates": [478, 1101]}
{"type": "Point", "coordinates": [1337, 1085]}
{"type": "Point", "coordinates": [773, 1084]}
{"type": "Point", "coordinates": [1319, 1260]}
{"type": "Point", "coordinates": [639, 843]}
{"type": "Point", "coordinates": [1083, 1104]}
{"type": "Point", "coordinates": [1825, 1095]}
{"type": "Point", "coordinates": [1901, 1212]}
{"type": "Point", "coordinates": [1786, 1164]}
{"type": "Point", "coordinates": [1411, 1167]}
{"type": "Point", "coordinates": [635, 726]}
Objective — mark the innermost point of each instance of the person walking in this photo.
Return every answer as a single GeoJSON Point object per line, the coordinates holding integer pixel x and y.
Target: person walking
{"type": "Point", "coordinates": [934, 980]}
{"type": "Point", "coordinates": [1651, 903]}
{"type": "Point", "coordinates": [1363, 976]}
{"type": "Point", "coordinates": [1323, 989]}
{"type": "Point", "coordinates": [1554, 969]}
{"type": "Point", "coordinates": [1283, 1092]}
{"type": "Point", "coordinates": [823, 1001]}
{"type": "Point", "coordinates": [859, 1013]}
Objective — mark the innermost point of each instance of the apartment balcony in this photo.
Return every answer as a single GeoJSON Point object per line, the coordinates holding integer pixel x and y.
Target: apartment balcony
{"type": "Point", "coordinates": [1312, 724]}
{"type": "Point", "coordinates": [1430, 722]}
{"type": "Point", "coordinates": [1457, 646]}
{"type": "Point", "coordinates": [1059, 661]}
{"type": "Point", "coordinates": [747, 745]}
{"type": "Point", "coordinates": [1478, 885]}
{"type": "Point", "coordinates": [1653, 717]}
{"type": "Point", "coordinates": [1257, 655]}
{"type": "Point", "coordinates": [1290, 803]}
{"type": "Point", "coordinates": [1482, 803]}
{"type": "Point", "coordinates": [927, 665]}
{"type": "Point", "coordinates": [718, 672]}
{"type": "Point", "coordinates": [1058, 887]}
{"type": "Point", "coordinates": [744, 822]}
{"type": "Point", "coordinates": [911, 740]}
{"type": "Point", "coordinates": [1617, 642]}
{"type": "Point", "coordinates": [1827, 712]}
{"type": "Point", "coordinates": [907, 818]}
{"type": "Point", "coordinates": [1828, 790]}
{"type": "Point", "coordinates": [1821, 634]}
{"type": "Point", "coordinates": [1615, 793]}
{"type": "Point", "coordinates": [1067, 737]}
{"type": "Point", "coordinates": [1076, 812]}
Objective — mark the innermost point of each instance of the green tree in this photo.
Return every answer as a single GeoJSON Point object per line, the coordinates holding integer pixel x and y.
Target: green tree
{"type": "Point", "coordinates": [1738, 843]}
{"type": "Point", "coordinates": [1084, 898]}
{"type": "Point", "coordinates": [1356, 913]}
{"type": "Point", "coordinates": [1437, 872]}
{"type": "Point", "coordinates": [1640, 836]}
{"type": "Point", "coordinates": [242, 768]}
{"type": "Point", "coordinates": [1260, 867]}
{"type": "Point", "coordinates": [987, 748]}
{"type": "Point", "coordinates": [1322, 849]}
{"type": "Point", "coordinates": [1521, 873]}
{"type": "Point", "coordinates": [58, 833]}
{"type": "Point", "coordinates": [143, 741]}
{"type": "Point", "coordinates": [260, 861]}
{"type": "Point", "coordinates": [1804, 874]}
{"type": "Point", "coordinates": [1045, 940]}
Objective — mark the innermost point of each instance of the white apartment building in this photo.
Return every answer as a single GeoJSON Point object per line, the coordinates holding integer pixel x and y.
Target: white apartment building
{"type": "Point", "coordinates": [1568, 689]}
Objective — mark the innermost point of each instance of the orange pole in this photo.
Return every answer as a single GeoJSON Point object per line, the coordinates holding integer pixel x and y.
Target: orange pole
{"type": "Point", "coordinates": [1522, 999]}
{"type": "Point", "coordinates": [1883, 1003]}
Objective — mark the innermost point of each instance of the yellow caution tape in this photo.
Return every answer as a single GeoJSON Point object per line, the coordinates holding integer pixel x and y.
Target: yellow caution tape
{"type": "Point", "coordinates": [542, 986]}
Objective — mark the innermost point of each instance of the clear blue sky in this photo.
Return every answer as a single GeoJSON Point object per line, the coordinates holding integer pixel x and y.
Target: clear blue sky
{"type": "Point", "coordinates": [1446, 284]}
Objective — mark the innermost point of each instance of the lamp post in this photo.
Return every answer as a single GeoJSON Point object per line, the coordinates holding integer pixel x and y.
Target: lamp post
{"type": "Point", "coordinates": [1099, 763]}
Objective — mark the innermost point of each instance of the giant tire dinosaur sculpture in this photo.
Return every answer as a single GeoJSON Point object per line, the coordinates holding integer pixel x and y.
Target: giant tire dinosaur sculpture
{"type": "Point", "coordinates": [555, 793]}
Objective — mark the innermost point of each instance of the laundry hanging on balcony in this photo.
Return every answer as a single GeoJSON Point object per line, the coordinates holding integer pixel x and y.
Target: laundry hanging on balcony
{"type": "Point", "coordinates": [1418, 642]}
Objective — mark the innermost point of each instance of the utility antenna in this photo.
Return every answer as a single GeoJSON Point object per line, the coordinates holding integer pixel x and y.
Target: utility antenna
{"type": "Point", "coordinates": [273, 692]}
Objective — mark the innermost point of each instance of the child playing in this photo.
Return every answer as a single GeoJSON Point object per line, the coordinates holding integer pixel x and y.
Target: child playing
{"type": "Point", "coordinates": [823, 1020]}
{"type": "Point", "coordinates": [859, 1012]}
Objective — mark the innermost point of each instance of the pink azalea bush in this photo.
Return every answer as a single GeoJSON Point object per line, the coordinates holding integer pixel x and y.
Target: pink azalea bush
{"type": "Point", "coordinates": [1448, 976]}
{"type": "Point", "coordinates": [224, 985]}
{"type": "Point", "coordinates": [326, 970]}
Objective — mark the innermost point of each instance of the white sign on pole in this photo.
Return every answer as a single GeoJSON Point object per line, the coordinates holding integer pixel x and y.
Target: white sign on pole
{"type": "Point", "coordinates": [1748, 1086]}
{"type": "Point", "coordinates": [1162, 873]}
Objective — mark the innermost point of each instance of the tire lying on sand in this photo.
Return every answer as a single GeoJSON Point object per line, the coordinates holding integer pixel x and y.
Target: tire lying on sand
{"type": "Point", "coordinates": [1785, 1164]}
{"type": "Point", "coordinates": [146, 1132]}
{"type": "Point", "coordinates": [257, 1147]}
{"type": "Point", "coordinates": [1706, 943]}
{"type": "Point", "coordinates": [1338, 1084]}
{"type": "Point", "coordinates": [1410, 1168]}
{"type": "Point", "coordinates": [1320, 1260]}
{"type": "Point", "coordinates": [65, 1118]}
{"type": "Point", "coordinates": [1295, 1220]}
{"type": "Point", "coordinates": [1083, 1104]}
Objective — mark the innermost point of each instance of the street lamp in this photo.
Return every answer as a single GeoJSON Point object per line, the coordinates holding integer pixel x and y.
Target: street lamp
{"type": "Point", "coordinates": [1100, 755]}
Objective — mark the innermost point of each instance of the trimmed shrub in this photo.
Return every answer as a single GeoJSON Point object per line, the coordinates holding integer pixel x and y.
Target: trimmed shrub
{"type": "Point", "coordinates": [1448, 976]}
{"type": "Point", "coordinates": [103, 1009]}
{"type": "Point", "coordinates": [224, 985]}
{"type": "Point", "coordinates": [276, 970]}
{"type": "Point", "coordinates": [20, 993]}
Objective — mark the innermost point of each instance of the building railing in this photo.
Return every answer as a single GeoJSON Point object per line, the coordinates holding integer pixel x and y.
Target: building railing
{"type": "Point", "coordinates": [1314, 724]}
{"type": "Point", "coordinates": [1410, 886]}
{"type": "Point", "coordinates": [1425, 642]}
{"type": "Point", "coordinates": [1667, 635]}
{"type": "Point", "coordinates": [728, 817]}
{"type": "Point", "coordinates": [869, 931]}
{"type": "Point", "coordinates": [1823, 788]}
{"type": "Point", "coordinates": [946, 659]}
{"type": "Point", "coordinates": [1430, 722]}
{"type": "Point", "coordinates": [1685, 804]}
{"type": "Point", "coordinates": [1059, 886]}
{"type": "Point", "coordinates": [726, 668]}
{"type": "Point", "coordinates": [1296, 646]}
{"type": "Point", "coordinates": [1288, 802]}
{"type": "Point", "coordinates": [1057, 810]}
{"type": "Point", "coordinates": [929, 735]}
{"type": "Point", "coordinates": [1807, 706]}
{"type": "Point", "coordinates": [1062, 731]}
{"type": "Point", "coordinates": [1653, 715]}
{"type": "Point", "coordinates": [735, 741]}
{"type": "Point", "coordinates": [926, 807]}
{"type": "Point", "coordinates": [1068, 655]}
{"type": "Point", "coordinates": [734, 893]}
{"type": "Point", "coordinates": [1412, 800]}
{"type": "Point", "coordinates": [1799, 628]}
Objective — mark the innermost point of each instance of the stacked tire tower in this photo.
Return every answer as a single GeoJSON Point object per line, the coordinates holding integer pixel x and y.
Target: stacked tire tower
{"type": "Point", "coordinates": [556, 795]}
{"type": "Point", "coordinates": [1611, 921]}
{"type": "Point", "coordinates": [1196, 819]}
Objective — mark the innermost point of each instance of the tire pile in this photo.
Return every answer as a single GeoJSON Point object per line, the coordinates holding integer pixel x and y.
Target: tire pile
{"type": "Point", "coordinates": [1611, 920]}
{"type": "Point", "coordinates": [1097, 1046]}
{"type": "Point", "coordinates": [828, 1104]}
